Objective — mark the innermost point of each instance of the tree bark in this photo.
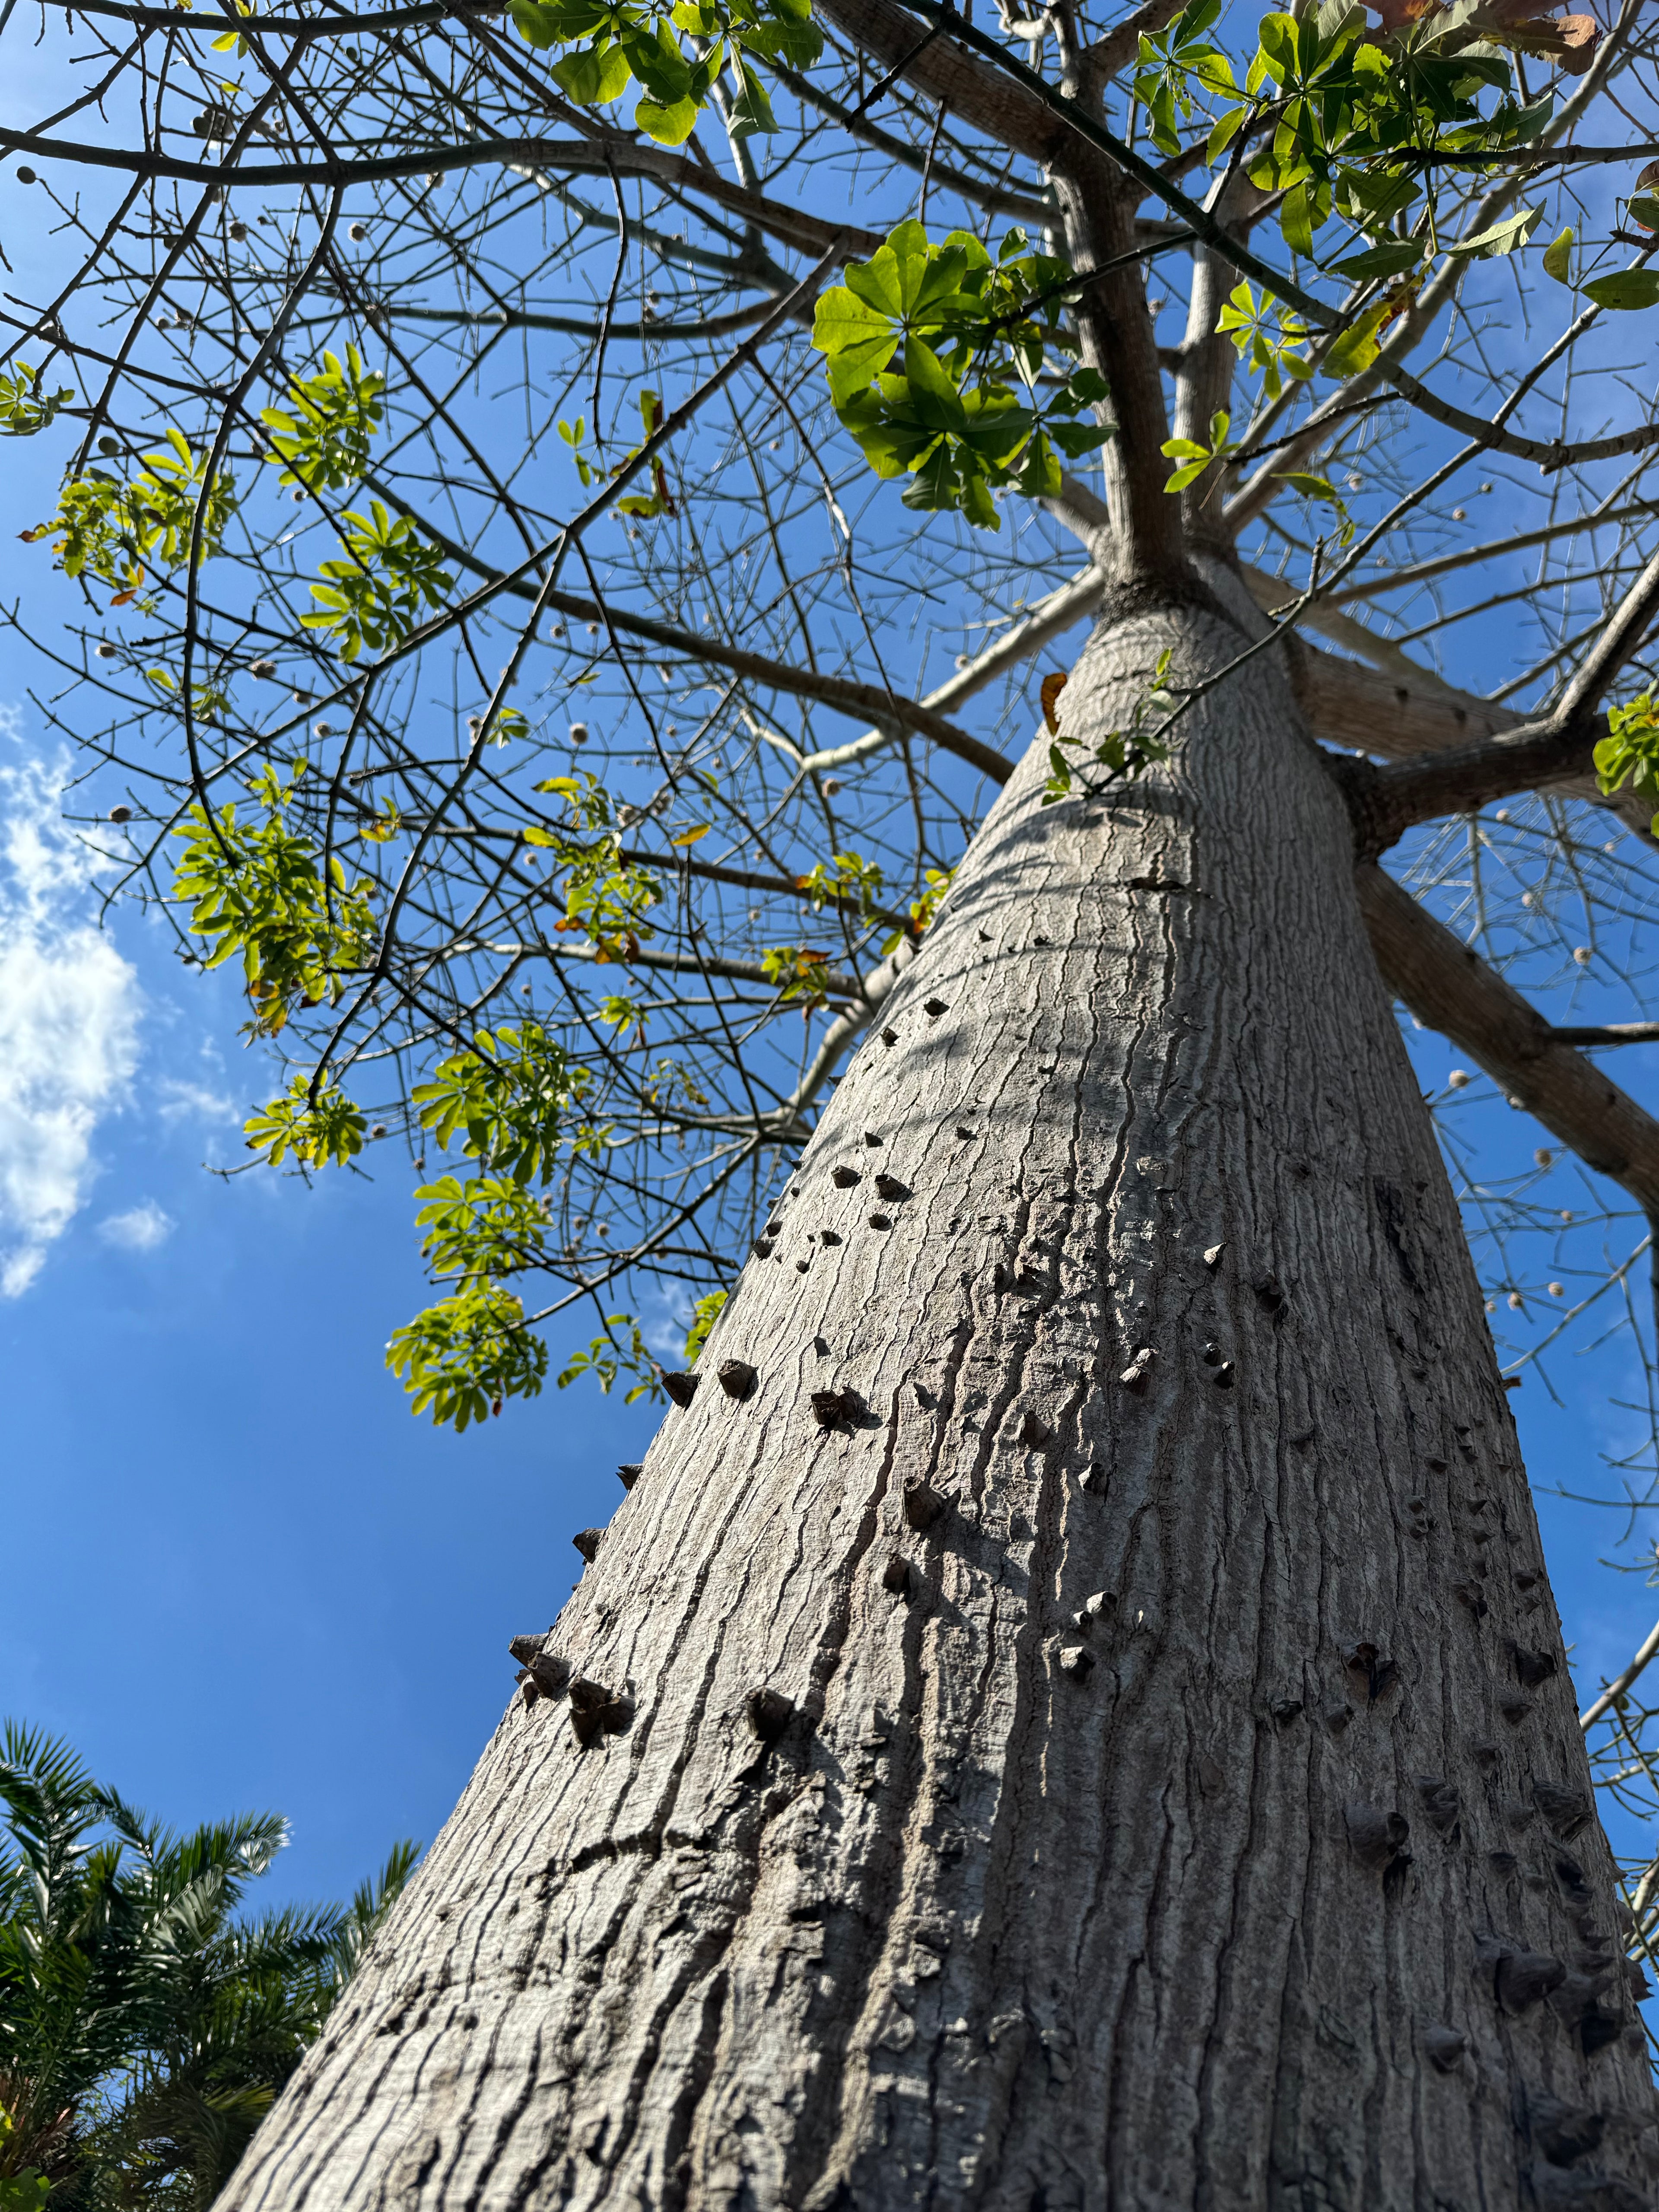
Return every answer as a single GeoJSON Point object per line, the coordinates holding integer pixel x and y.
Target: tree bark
{"type": "Point", "coordinates": [1089, 1729]}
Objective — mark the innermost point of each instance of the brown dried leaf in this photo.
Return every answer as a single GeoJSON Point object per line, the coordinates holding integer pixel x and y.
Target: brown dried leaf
{"type": "Point", "coordinates": [1396, 14]}
{"type": "Point", "coordinates": [1580, 33]}
{"type": "Point", "coordinates": [1052, 687]}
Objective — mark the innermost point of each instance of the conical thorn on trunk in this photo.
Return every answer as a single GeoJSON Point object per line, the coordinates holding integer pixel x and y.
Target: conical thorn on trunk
{"type": "Point", "coordinates": [770, 1713]}
{"type": "Point", "coordinates": [1134, 1376]}
{"type": "Point", "coordinates": [922, 1503]}
{"type": "Point", "coordinates": [1525, 1977]}
{"type": "Point", "coordinates": [736, 1378]}
{"type": "Point", "coordinates": [1376, 1837]}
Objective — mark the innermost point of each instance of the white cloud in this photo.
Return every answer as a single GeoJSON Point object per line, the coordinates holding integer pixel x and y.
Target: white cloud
{"type": "Point", "coordinates": [69, 1020]}
{"type": "Point", "coordinates": [665, 1317]}
{"type": "Point", "coordinates": [140, 1229]}
{"type": "Point", "coordinates": [178, 1101]}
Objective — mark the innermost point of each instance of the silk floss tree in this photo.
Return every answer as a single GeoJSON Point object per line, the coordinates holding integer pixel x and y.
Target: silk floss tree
{"type": "Point", "coordinates": [1069, 1710]}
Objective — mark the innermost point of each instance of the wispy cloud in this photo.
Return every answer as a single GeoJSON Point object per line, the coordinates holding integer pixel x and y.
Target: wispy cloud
{"type": "Point", "coordinates": [139, 1230]}
{"type": "Point", "coordinates": [185, 1102]}
{"type": "Point", "coordinates": [68, 1018]}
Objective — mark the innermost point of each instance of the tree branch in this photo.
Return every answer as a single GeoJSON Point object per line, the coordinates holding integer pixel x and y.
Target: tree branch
{"type": "Point", "coordinates": [1452, 989]}
{"type": "Point", "coordinates": [865, 703]}
{"type": "Point", "coordinates": [574, 157]}
{"type": "Point", "coordinates": [1121, 44]}
{"type": "Point", "coordinates": [1554, 748]}
{"type": "Point", "coordinates": [1473, 556]}
{"type": "Point", "coordinates": [1621, 1682]}
{"type": "Point", "coordinates": [1606, 1033]}
{"type": "Point", "coordinates": [341, 26]}
{"type": "Point", "coordinates": [995, 199]}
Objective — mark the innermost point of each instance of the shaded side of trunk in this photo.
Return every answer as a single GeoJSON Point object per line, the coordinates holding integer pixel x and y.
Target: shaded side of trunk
{"type": "Point", "coordinates": [1112, 1746]}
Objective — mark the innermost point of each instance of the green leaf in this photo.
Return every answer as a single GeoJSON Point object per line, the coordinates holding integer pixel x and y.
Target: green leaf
{"type": "Point", "coordinates": [535, 25]}
{"type": "Point", "coordinates": [595, 76]}
{"type": "Point", "coordinates": [1388, 259]}
{"type": "Point", "coordinates": [1503, 237]}
{"type": "Point", "coordinates": [1189, 473]}
{"type": "Point", "coordinates": [1627, 289]}
{"type": "Point", "coordinates": [1228, 126]}
{"type": "Point", "coordinates": [751, 113]}
{"type": "Point", "coordinates": [859, 340]}
{"type": "Point", "coordinates": [1076, 439]}
{"type": "Point", "coordinates": [656, 61]}
{"type": "Point", "coordinates": [1277, 37]}
{"type": "Point", "coordinates": [1383, 193]}
{"type": "Point", "coordinates": [876, 281]}
{"type": "Point", "coordinates": [1296, 218]}
{"type": "Point", "coordinates": [1557, 257]}
{"type": "Point", "coordinates": [1357, 347]}
{"type": "Point", "coordinates": [671, 125]}
{"type": "Point", "coordinates": [937, 400]}
{"type": "Point", "coordinates": [1642, 208]}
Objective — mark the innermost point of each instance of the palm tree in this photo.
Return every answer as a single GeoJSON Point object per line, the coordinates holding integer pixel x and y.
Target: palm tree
{"type": "Point", "coordinates": [145, 2025]}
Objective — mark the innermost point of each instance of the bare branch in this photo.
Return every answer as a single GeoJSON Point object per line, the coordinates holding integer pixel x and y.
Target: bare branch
{"type": "Point", "coordinates": [1621, 1682]}
{"type": "Point", "coordinates": [1607, 1033]}
{"type": "Point", "coordinates": [568, 155]}
{"type": "Point", "coordinates": [1450, 988]}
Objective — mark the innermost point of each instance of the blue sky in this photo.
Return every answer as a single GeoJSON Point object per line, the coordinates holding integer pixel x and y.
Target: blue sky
{"type": "Point", "coordinates": [254, 1580]}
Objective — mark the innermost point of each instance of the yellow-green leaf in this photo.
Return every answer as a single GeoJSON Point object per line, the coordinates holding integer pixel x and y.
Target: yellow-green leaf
{"type": "Point", "coordinates": [1503, 237]}
{"type": "Point", "coordinates": [669, 123]}
{"type": "Point", "coordinates": [1557, 257]}
{"type": "Point", "coordinates": [1357, 349]}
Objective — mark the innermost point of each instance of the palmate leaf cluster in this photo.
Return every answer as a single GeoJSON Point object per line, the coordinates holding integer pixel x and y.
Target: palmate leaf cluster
{"type": "Point", "coordinates": [257, 888]}
{"type": "Point", "coordinates": [125, 534]}
{"type": "Point", "coordinates": [515, 1103]}
{"type": "Point", "coordinates": [962, 415]}
{"type": "Point", "coordinates": [1629, 754]}
{"type": "Point", "coordinates": [386, 576]}
{"type": "Point", "coordinates": [607, 898]}
{"type": "Point", "coordinates": [610, 47]}
{"type": "Point", "coordinates": [146, 2019]}
{"type": "Point", "coordinates": [324, 433]}
{"type": "Point", "coordinates": [25, 406]}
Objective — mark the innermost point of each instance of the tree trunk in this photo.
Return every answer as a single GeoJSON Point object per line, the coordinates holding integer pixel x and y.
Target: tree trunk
{"type": "Point", "coordinates": [1090, 1728]}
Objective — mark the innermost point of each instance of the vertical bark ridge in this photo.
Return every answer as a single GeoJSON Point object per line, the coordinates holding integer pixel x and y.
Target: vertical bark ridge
{"type": "Point", "coordinates": [988, 1923]}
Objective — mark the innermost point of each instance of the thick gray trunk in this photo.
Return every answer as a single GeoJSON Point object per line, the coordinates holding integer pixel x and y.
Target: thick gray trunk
{"type": "Point", "coordinates": [1192, 1813]}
